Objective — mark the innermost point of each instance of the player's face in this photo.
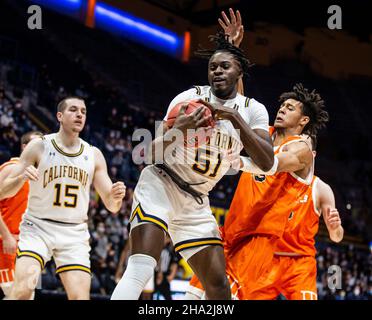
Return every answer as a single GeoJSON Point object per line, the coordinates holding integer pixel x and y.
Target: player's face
{"type": "Point", "coordinates": [74, 115]}
{"type": "Point", "coordinates": [223, 74]}
{"type": "Point", "coordinates": [290, 115]}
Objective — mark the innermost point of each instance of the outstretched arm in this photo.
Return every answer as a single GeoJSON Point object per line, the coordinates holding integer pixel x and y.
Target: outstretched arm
{"type": "Point", "coordinates": [294, 157]}
{"type": "Point", "coordinates": [326, 205]}
{"type": "Point", "coordinates": [13, 178]}
{"type": "Point", "coordinates": [233, 28]}
{"type": "Point", "coordinates": [112, 194]}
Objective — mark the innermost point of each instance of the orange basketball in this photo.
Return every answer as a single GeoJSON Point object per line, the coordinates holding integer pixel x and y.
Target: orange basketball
{"type": "Point", "coordinates": [199, 137]}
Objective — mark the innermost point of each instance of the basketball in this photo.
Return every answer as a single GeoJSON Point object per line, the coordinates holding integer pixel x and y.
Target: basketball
{"type": "Point", "coordinates": [201, 135]}
{"type": "Point", "coordinates": [191, 107]}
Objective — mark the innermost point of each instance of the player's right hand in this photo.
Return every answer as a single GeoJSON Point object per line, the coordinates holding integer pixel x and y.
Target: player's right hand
{"type": "Point", "coordinates": [232, 27]}
{"type": "Point", "coordinates": [194, 120]}
{"type": "Point", "coordinates": [9, 245]}
{"type": "Point", "coordinates": [30, 173]}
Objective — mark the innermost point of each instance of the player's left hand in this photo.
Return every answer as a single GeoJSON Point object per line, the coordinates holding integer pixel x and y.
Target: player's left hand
{"type": "Point", "coordinates": [219, 112]}
{"type": "Point", "coordinates": [118, 190]}
{"type": "Point", "coordinates": [333, 218]}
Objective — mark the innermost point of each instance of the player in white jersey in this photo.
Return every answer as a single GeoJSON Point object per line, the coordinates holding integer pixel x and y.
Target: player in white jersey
{"type": "Point", "coordinates": [173, 197]}
{"type": "Point", "coordinates": [61, 168]}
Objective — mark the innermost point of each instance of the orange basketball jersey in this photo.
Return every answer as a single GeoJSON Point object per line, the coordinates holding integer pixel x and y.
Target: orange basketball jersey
{"type": "Point", "coordinates": [12, 209]}
{"type": "Point", "coordinates": [262, 204]}
{"type": "Point", "coordinates": [302, 226]}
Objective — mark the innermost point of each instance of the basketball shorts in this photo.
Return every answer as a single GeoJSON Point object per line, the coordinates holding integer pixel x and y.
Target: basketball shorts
{"type": "Point", "coordinates": [67, 244]}
{"type": "Point", "coordinates": [158, 200]}
{"type": "Point", "coordinates": [245, 265]}
{"type": "Point", "coordinates": [7, 265]}
{"type": "Point", "coordinates": [293, 277]}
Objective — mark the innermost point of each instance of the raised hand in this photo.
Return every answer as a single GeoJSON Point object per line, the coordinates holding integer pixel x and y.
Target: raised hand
{"type": "Point", "coordinates": [232, 27]}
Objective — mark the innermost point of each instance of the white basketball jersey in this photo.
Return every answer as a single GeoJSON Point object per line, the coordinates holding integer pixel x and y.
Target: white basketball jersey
{"type": "Point", "coordinates": [62, 191]}
{"type": "Point", "coordinates": [207, 164]}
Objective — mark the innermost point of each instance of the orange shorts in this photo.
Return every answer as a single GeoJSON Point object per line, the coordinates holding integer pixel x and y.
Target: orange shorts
{"type": "Point", "coordinates": [7, 265]}
{"type": "Point", "coordinates": [245, 265]}
{"type": "Point", "coordinates": [294, 277]}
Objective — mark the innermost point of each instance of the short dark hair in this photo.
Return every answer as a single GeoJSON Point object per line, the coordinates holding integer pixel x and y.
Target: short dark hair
{"type": "Point", "coordinates": [222, 44]}
{"type": "Point", "coordinates": [61, 106]}
{"type": "Point", "coordinates": [26, 138]}
{"type": "Point", "coordinates": [312, 106]}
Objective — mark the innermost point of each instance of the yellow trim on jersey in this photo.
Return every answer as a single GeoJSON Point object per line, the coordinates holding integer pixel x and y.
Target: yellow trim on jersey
{"type": "Point", "coordinates": [196, 243]}
{"type": "Point", "coordinates": [247, 102]}
{"type": "Point", "coordinates": [54, 143]}
{"type": "Point", "coordinates": [198, 90]}
{"type": "Point", "coordinates": [73, 268]}
{"type": "Point", "coordinates": [31, 254]}
{"type": "Point", "coordinates": [142, 216]}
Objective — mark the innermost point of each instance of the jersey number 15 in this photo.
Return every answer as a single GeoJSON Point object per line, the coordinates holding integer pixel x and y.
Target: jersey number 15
{"type": "Point", "coordinates": [70, 195]}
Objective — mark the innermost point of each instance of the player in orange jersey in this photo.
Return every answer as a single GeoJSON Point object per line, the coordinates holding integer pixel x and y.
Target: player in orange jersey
{"type": "Point", "coordinates": [293, 269]}
{"type": "Point", "coordinates": [11, 212]}
{"type": "Point", "coordinates": [262, 203]}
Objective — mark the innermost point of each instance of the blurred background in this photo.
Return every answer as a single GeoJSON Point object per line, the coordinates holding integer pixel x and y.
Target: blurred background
{"type": "Point", "coordinates": [128, 59]}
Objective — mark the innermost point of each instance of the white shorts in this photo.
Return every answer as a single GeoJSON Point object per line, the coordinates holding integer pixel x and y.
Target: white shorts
{"type": "Point", "coordinates": [67, 244]}
{"type": "Point", "coordinates": [157, 199]}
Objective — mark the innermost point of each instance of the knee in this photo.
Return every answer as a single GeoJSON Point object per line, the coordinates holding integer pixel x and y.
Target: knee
{"type": "Point", "coordinates": [217, 282]}
{"type": "Point", "coordinates": [21, 292]}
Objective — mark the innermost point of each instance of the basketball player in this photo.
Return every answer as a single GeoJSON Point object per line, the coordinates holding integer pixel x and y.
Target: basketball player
{"type": "Point", "coordinates": [173, 198]}
{"type": "Point", "coordinates": [11, 212]}
{"type": "Point", "coordinates": [61, 168]}
{"type": "Point", "coordinates": [262, 203]}
{"type": "Point", "coordinates": [293, 269]}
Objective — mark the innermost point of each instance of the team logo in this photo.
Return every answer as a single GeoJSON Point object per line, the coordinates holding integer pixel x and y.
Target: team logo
{"type": "Point", "coordinates": [259, 178]}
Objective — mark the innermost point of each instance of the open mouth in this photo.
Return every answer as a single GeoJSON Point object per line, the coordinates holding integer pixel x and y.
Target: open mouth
{"type": "Point", "coordinates": [279, 119]}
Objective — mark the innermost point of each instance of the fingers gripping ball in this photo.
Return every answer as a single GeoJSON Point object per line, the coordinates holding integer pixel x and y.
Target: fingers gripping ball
{"type": "Point", "coordinates": [196, 137]}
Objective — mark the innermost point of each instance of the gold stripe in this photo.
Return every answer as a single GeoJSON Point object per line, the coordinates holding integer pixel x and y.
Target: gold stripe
{"type": "Point", "coordinates": [31, 254]}
{"type": "Point", "coordinates": [247, 102]}
{"type": "Point", "coordinates": [69, 268]}
{"type": "Point", "coordinates": [142, 217]}
{"type": "Point", "coordinates": [197, 243]}
{"type": "Point", "coordinates": [198, 90]}
{"type": "Point", "coordinates": [68, 154]}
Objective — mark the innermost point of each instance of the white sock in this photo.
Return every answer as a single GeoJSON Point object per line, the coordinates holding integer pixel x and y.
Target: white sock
{"type": "Point", "coordinates": [139, 270]}
{"type": "Point", "coordinates": [193, 293]}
